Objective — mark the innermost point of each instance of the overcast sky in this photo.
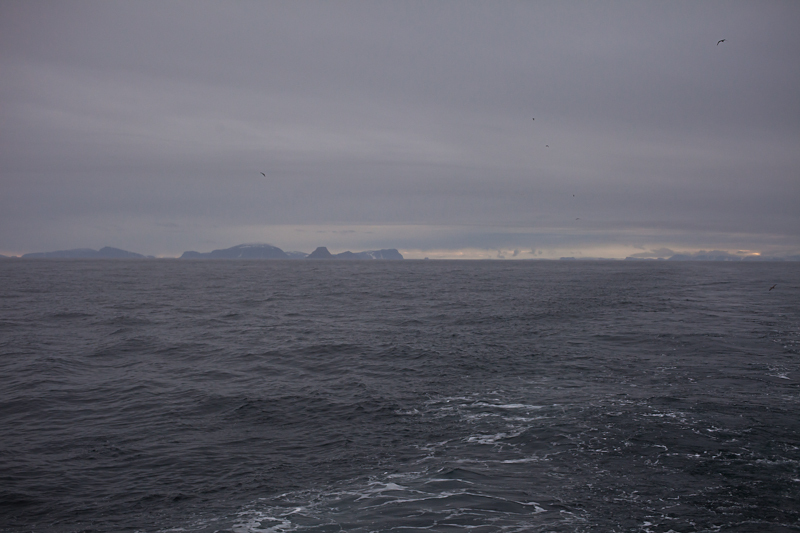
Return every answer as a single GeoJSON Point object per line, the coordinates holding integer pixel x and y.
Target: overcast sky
{"type": "Point", "coordinates": [410, 125]}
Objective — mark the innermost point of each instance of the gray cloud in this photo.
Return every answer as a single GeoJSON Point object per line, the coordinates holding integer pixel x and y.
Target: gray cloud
{"type": "Point", "coordinates": [146, 125]}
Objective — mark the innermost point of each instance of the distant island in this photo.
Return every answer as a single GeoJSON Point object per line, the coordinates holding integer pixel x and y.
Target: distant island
{"type": "Point", "coordinates": [242, 251]}
{"type": "Point", "coordinates": [323, 253]}
{"type": "Point", "coordinates": [266, 251]}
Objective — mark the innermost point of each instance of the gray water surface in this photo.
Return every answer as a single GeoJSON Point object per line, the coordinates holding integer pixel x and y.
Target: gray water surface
{"type": "Point", "coordinates": [255, 396]}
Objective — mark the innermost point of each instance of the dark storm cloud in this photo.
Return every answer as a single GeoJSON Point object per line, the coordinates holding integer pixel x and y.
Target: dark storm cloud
{"type": "Point", "coordinates": [147, 125]}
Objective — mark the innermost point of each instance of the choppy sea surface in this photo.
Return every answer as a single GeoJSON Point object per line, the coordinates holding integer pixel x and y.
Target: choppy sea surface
{"type": "Point", "coordinates": [302, 396]}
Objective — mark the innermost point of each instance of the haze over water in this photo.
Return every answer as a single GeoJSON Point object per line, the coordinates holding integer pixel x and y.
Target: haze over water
{"type": "Point", "coordinates": [279, 396]}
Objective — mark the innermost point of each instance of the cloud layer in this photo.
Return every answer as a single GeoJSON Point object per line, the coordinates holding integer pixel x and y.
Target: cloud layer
{"type": "Point", "coordinates": [409, 125]}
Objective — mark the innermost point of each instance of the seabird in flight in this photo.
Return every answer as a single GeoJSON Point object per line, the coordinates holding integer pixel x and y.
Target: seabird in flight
{"type": "Point", "coordinates": [263, 174]}
{"type": "Point", "coordinates": [773, 287]}
{"type": "Point", "coordinates": [720, 41]}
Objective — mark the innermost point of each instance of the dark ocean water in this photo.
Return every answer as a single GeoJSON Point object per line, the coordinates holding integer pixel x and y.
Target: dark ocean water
{"type": "Point", "coordinates": [278, 396]}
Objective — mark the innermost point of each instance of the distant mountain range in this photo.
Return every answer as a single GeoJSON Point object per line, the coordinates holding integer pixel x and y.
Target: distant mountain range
{"type": "Point", "coordinates": [242, 251]}
{"type": "Point", "coordinates": [266, 251]}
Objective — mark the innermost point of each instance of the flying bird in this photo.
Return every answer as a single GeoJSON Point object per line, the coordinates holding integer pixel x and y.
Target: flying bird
{"type": "Point", "coordinates": [720, 41]}
{"type": "Point", "coordinates": [263, 174]}
{"type": "Point", "coordinates": [773, 287]}
{"type": "Point", "coordinates": [547, 146]}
